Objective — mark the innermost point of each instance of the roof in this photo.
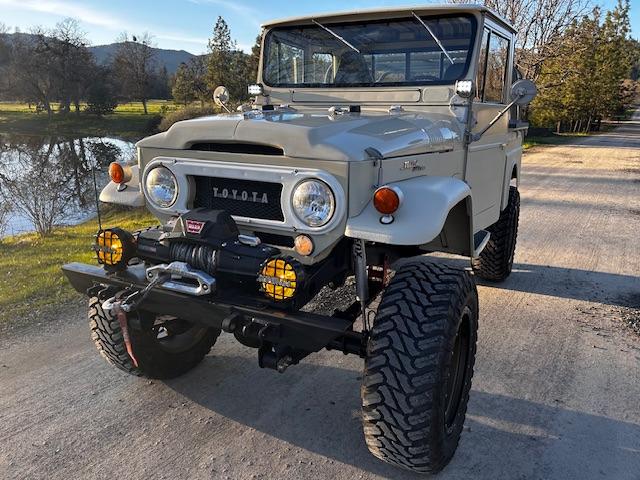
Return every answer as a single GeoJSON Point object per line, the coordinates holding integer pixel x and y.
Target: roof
{"type": "Point", "coordinates": [389, 12]}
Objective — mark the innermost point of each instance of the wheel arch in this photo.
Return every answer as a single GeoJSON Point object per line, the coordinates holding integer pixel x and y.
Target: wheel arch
{"type": "Point", "coordinates": [436, 214]}
{"type": "Point", "coordinates": [511, 174]}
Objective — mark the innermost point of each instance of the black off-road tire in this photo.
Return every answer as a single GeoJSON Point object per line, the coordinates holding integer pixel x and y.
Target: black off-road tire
{"type": "Point", "coordinates": [154, 359]}
{"type": "Point", "coordinates": [420, 354]}
{"type": "Point", "coordinates": [496, 260]}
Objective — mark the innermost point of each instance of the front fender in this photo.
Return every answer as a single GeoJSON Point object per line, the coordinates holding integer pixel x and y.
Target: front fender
{"type": "Point", "coordinates": [130, 196]}
{"type": "Point", "coordinates": [421, 217]}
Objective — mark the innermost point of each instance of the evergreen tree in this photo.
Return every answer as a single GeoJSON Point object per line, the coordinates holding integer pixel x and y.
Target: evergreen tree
{"type": "Point", "coordinates": [227, 65]}
{"type": "Point", "coordinates": [190, 82]}
{"type": "Point", "coordinates": [220, 60]}
{"type": "Point", "coordinates": [584, 81]}
{"type": "Point", "coordinates": [182, 90]}
{"type": "Point", "coordinates": [253, 61]}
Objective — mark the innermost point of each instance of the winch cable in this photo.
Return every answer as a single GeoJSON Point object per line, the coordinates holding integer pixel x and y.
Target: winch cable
{"type": "Point", "coordinates": [133, 301]}
{"type": "Point", "coordinates": [200, 257]}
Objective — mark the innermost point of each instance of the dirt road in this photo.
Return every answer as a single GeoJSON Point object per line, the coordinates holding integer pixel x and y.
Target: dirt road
{"type": "Point", "coordinates": [555, 393]}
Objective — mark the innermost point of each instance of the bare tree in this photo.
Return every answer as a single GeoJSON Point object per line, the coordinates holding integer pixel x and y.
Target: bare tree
{"type": "Point", "coordinates": [74, 62]}
{"type": "Point", "coordinates": [5, 210]}
{"type": "Point", "coordinates": [32, 70]}
{"type": "Point", "coordinates": [540, 24]}
{"type": "Point", "coordinates": [134, 65]}
{"type": "Point", "coordinates": [4, 58]}
{"type": "Point", "coordinates": [32, 184]}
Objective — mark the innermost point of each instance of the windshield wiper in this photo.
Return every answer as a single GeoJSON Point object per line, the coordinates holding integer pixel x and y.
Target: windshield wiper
{"type": "Point", "coordinates": [337, 36]}
{"type": "Point", "coordinates": [444, 50]}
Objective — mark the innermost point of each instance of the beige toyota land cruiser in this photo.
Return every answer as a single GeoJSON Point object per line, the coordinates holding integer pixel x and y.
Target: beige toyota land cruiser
{"type": "Point", "coordinates": [374, 137]}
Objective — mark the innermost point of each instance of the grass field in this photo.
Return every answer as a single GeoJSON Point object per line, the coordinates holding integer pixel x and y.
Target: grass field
{"type": "Point", "coordinates": [128, 121]}
{"type": "Point", "coordinates": [554, 139]}
{"type": "Point", "coordinates": [31, 282]}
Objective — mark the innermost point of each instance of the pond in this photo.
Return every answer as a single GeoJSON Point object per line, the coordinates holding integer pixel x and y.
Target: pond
{"type": "Point", "coordinates": [47, 181]}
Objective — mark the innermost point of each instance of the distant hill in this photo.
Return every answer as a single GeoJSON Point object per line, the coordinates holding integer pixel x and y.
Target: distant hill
{"type": "Point", "coordinates": [171, 59]}
{"type": "Point", "coordinates": [104, 53]}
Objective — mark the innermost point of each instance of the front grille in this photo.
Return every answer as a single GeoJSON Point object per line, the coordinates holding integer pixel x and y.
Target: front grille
{"type": "Point", "coordinates": [243, 198]}
{"type": "Point", "coordinates": [248, 148]}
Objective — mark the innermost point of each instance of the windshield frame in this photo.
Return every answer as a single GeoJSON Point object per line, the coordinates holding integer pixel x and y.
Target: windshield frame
{"type": "Point", "coordinates": [416, 83]}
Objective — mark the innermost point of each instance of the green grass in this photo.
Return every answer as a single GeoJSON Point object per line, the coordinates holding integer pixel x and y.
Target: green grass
{"type": "Point", "coordinates": [31, 282]}
{"type": "Point", "coordinates": [128, 121]}
{"type": "Point", "coordinates": [554, 139]}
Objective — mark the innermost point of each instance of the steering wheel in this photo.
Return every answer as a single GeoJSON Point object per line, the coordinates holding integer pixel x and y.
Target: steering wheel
{"type": "Point", "coordinates": [385, 75]}
{"type": "Point", "coordinates": [326, 74]}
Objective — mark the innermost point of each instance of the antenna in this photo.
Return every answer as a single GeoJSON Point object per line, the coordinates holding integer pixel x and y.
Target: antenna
{"type": "Point", "coordinates": [95, 191]}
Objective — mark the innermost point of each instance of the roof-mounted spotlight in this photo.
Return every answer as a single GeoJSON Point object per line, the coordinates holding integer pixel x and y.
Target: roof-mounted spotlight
{"type": "Point", "coordinates": [255, 89]}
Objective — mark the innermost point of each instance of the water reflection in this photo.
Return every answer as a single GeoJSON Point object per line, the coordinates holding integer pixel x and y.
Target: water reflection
{"type": "Point", "coordinates": [47, 181]}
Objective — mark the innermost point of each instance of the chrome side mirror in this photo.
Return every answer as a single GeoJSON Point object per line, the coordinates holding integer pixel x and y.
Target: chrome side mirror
{"type": "Point", "coordinates": [221, 97]}
{"type": "Point", "coordinates": [523, 92]}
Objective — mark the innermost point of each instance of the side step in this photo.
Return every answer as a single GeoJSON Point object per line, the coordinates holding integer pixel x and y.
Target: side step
{"type": "Point", "coordinates": [480, 240]}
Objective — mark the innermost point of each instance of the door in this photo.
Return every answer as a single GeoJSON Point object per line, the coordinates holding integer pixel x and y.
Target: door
{"type": "Point", "coordinates": [487, 157]}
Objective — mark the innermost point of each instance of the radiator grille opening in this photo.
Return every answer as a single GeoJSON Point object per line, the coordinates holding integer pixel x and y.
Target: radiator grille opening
{"type": "Point", "coordinates": [242, 198]}
{"type": "Point", "coordinates": [275, 239]}
{"type": "Point", "coordinates": [246, 148]}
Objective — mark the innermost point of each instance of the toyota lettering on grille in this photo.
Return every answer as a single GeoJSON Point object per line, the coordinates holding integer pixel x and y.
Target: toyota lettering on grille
{"type": "Point", "coordinates": [240, 195]}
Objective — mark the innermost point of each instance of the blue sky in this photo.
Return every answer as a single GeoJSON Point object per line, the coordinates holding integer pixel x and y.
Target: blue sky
{"type": "Point", "coordinates": [186, 24]}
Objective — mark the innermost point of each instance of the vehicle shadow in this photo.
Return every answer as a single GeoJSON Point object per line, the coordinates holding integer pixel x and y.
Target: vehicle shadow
{"type": "Point", "coordinates": [572, 283]}
{"type": "Point", "coordinates": [316, 408]}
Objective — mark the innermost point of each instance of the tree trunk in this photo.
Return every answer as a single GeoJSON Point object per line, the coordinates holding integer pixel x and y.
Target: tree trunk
{"type": "Point", "coordinates": [144, 106]}
{"type": "Point", "coordinates": [558, 126]}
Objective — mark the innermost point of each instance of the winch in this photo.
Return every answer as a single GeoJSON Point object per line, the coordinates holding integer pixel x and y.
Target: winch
{"type": "Point", "coordinates": [203, 248]}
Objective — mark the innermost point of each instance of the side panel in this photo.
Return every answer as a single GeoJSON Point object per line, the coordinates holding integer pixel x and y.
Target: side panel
{"type": "Point", "coordinates": [485, 171]}
{"type": "Point", "coordinates": [514, 160]}
{"type": "Point", "coordinates": [421, 216]}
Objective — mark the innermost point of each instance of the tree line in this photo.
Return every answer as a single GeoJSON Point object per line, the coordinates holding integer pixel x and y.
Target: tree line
{"type": "Point", "coordinates": [47, 66]}
{"type": "Point", "coordinates": [55, 65]}
{"type": "Point", "coordinates": [584, 62]}
{"type": "Point", "coordinates": [590, 75]}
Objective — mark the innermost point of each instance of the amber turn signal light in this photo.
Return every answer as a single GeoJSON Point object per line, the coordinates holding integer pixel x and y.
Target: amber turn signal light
{"type": "Point", "coordinates": [118, 173]}
{"type": "Point", "coordinates": [387, 200]}
{"type": "Point", "coordinates": [303, 245]}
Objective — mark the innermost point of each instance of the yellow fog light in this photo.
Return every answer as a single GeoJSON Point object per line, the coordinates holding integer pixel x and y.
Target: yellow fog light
{"type": "Point", "coordinates": [114, 248]}
{"type": "Point", "coordinates": [279, 278]}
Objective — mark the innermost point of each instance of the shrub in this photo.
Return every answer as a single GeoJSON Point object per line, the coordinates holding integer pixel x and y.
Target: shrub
{"type": "Point", "coordinates": [186, 114]}
{"type": "Point", "coordinates": [100, 99]}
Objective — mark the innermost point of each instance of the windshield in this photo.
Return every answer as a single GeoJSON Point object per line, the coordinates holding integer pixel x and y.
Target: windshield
{"type": "Point", "coordinates": [407, 51]}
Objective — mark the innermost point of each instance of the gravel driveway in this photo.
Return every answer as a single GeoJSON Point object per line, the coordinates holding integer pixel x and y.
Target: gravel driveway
{"type": "Point", "coordinates": [555, 395]}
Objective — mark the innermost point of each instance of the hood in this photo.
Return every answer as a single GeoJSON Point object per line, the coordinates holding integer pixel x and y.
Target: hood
{"type": "Point", "coordinates": [319, 135]}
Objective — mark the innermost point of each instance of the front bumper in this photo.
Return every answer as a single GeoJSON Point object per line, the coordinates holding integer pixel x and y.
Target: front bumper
{"type": "Point", "coordinates": [300, 330]}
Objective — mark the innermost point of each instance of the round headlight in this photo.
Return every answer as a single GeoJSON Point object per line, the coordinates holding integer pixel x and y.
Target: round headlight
{"type": "Point", "coordinates": [162, 187]}
{"type": "Point", "coordinates": [313, 203]}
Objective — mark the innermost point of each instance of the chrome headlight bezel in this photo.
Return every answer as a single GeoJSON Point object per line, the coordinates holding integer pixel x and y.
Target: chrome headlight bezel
{"type": "Point", "coordinates": [149, 187]}
{"type": "Point", "coordinates": [329, 199]}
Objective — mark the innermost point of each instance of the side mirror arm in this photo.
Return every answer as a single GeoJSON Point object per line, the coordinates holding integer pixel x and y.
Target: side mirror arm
{"type": "Point", "coordinates": [474, 137]}
{"type": "Point", "coordinates": [522, 93]}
